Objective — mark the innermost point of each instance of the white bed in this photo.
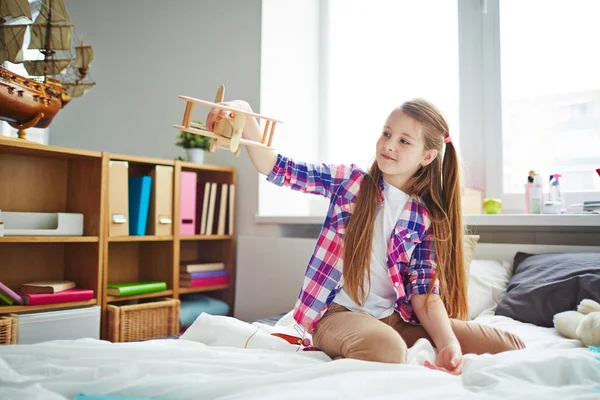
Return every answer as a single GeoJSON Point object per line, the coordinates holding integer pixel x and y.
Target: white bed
{"type": "Point", "coordinates": [210, 362]}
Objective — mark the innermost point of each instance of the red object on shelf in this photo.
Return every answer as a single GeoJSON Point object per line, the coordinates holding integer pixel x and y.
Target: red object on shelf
{"type": "Point", "coordinates": [202, 282]}
{"type": "Point", "coordinates": [598, 171]}
{"type": "Point", "coordinates": [66, 296]}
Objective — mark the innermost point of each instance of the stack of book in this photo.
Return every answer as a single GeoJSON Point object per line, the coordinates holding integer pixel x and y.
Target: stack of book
{"type": "Point", "coordinates": [8, 296]}
{"type": "Point", "coordinates": [51, 292]}
{"type": "Point", "coordinates": [203, 275]}
{"type": "Point", "coordinates": [122, 289]}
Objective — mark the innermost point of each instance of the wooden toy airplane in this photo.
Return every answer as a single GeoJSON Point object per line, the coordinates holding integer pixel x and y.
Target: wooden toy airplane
{"type": "Point", "coordinates": [227, 132]}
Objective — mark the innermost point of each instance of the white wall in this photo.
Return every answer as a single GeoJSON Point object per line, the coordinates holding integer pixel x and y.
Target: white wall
{"type": "Point", "coordinates": [147, 53]}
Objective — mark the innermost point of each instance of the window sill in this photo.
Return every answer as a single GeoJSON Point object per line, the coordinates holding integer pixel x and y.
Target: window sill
{"type": "Point", "coordinates": [533, 220]}
{"type": "Point", "coordinates": [473, 220]}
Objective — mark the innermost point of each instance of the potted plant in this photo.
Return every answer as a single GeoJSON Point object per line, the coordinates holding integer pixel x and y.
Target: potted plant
{"type": "Point", "coordinates": [194, 145]}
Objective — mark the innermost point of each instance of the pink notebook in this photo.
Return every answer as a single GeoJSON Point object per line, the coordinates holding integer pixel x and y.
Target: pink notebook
{"type": "Point", "coordinates": [187, 203]}
{"type": "Point", "coordinates": [202, 282]}
{"type": "Point", "coordinates": [66, 296]}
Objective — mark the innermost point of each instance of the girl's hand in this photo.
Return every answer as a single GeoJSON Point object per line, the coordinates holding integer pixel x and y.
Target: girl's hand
{"type": "Point", "coordinates": [449, 359]}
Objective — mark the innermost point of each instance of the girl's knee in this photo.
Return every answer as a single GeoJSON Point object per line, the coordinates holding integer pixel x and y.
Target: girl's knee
{"type": "Point", "coordinates": [379, 346]}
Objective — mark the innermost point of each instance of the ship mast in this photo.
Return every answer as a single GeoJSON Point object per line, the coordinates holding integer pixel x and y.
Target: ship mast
{"type": "Point", "coordinates": [47, 50]}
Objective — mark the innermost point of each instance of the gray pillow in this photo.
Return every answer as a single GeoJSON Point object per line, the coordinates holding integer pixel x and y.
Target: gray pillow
{"type": "Point", "coordinates": [546, 284]}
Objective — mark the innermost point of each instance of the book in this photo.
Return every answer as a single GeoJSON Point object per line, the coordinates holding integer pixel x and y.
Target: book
{"type": "Point", "coordinates": [46, 286]}
{"type": "Point", "coordinates": [231, 214]}
{"type": "Point", "coordinates": [210, 218]}
{"type": "Point", "coordinates": [5, 299]}
{"type": "Point", "coordinates": [203, 282]}
{"type": "Point", "coordinates": [8, 292]}
{"type": "Point", "coordinates": [66, 296]}
{"type": "Point", "coordinates": [204, 208]}
{"type": "Point", "coordinates": [133, 288]}
{"type": "Point", "coordinates": [203, 274]}
{"type": "Point", "coordinates": [222, 209]}
{"type": "Point", "coordinates": [197, 267]}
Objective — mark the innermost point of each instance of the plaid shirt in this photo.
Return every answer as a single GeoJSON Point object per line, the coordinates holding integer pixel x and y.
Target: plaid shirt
{"type": "Point", "coordinates": [411, 250]}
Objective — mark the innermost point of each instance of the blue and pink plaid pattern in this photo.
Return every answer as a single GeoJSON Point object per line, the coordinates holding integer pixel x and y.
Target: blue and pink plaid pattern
{"type": "Point", "coordinates": [411, 249]}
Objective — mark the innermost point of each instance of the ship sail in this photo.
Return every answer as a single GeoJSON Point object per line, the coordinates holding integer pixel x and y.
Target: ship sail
{"type": "Point", "coordinates": [85, 55]}
{"type": "Point", "coordinates": [59, 39]}
{"type": "Point", "coordinates": [15, 9]}
{"type": "Point", "coordinates": [12, 38]}
{"type": "Point", "coordinates": [78, 89]}
{"type": "Point", "coordinates": [46, 67]}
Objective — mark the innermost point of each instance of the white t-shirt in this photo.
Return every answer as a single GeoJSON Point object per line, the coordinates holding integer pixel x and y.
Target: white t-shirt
{"type": "Point", "coordinates": [379, 302]}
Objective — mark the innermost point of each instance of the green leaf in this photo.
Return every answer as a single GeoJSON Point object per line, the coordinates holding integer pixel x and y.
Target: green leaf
{"type": "Point", "coordinates": [188, 140]}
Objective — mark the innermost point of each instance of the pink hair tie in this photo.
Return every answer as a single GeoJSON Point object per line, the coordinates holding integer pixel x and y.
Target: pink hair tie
{"type": "Point", "coordinates": [448, 139]}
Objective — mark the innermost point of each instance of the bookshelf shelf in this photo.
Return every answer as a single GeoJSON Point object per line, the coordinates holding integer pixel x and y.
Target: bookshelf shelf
{"type": "Point", "coordinates": [49, 239]}
{"type": "Point", "coordinates": [46, 307]}
{"type": "Point", "coordinates": [187, 290]}
{"type": "Point", "coordinates": [40, 178]}
{"type": "Point", "coordinates": [206, 237]}
{"type": "Point", "coordinates": [162, 293]}
{"type": "Point", "coordinates": [148, 238]}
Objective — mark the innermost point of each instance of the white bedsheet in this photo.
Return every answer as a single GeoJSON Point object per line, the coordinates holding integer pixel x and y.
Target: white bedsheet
{"type": "Point", "coordinates": [550, 368]}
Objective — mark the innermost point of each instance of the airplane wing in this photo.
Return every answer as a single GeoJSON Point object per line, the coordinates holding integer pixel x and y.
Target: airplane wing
{"type": "Point", "coordinates": [222, 139]}
{"type": "Point", "coordinates": [222, 107]}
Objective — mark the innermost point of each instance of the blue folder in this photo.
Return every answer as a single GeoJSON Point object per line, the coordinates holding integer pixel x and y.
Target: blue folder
{"type": "Point", "coordinates": [139, 204]}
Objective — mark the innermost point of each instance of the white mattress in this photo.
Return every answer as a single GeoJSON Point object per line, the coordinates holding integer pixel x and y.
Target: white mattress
{"type": "Point", "coordinates": [220, 368]}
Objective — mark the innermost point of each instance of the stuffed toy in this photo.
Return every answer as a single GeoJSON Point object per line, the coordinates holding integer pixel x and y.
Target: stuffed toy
{"type": "Point", "coordinates": [583, 324]}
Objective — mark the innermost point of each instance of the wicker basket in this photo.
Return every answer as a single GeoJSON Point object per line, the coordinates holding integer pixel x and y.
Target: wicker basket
{"type": "Point", "coordinates": [8, 330]}
{"type": "Point", "coordinates": [144, 321]}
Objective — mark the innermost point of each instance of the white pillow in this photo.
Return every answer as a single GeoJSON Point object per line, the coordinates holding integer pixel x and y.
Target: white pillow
{"type": "Point", "coordinates": [488, 280]}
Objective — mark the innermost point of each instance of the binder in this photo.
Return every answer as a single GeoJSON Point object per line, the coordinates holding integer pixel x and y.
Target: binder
{"type": "Point", "coordinates": [160, 217]}
{"type": "Point", "coordinates": [139, 204]}
{"type": "Point", "coordinates": [118, 202]}
{"type": "Point", "coordinates": [187, 203]}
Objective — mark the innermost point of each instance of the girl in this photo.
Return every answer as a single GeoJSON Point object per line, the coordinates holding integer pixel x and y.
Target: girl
{"type": "Point", "coordinates": [387, 269]}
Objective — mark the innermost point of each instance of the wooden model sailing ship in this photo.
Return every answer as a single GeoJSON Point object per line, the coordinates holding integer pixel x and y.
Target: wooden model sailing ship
{"type": "Point", "coordinates": [55, 77]}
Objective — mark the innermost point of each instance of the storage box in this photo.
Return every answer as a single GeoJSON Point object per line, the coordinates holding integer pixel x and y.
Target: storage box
{"type": "Point", "coordinates": [144, 321]}
{"type": "Point", "coordinates": [41, 224]}
{"type": "Point", "coordinates": [8, 330]}
{"type": "Point", "coordinates": [43, 326]}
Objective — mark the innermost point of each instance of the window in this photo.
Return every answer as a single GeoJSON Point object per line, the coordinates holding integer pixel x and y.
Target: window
{"type": "Point", "coordinates": [520, 90]}
{"type": "Point", "coordinates": [381, 53]}
{"type": "Point", "coordinates": [550, 92]}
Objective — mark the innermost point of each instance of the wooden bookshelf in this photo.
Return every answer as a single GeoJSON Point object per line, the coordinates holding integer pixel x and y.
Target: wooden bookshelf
{"type": "Point", "coordinates": [49, 239]}
{"type": "Point", "coordinates": [140, 239]}
{"type": "Point", "coordinates": [162, 293]}
{"type": "Point", "coordinates": [39, 178]}
{"type": "Point", "coordinates": [186, 290]}
{"type": "Point", "coordinates": [46, 307]}
{"type": "Point", "coordinates": [206, 237]}
{"type": "Point", "coordinates": [48, 179]}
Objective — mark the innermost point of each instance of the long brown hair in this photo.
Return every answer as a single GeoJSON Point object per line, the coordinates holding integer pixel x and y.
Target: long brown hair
{"type": "Point", "coordinates": [438, 185]}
